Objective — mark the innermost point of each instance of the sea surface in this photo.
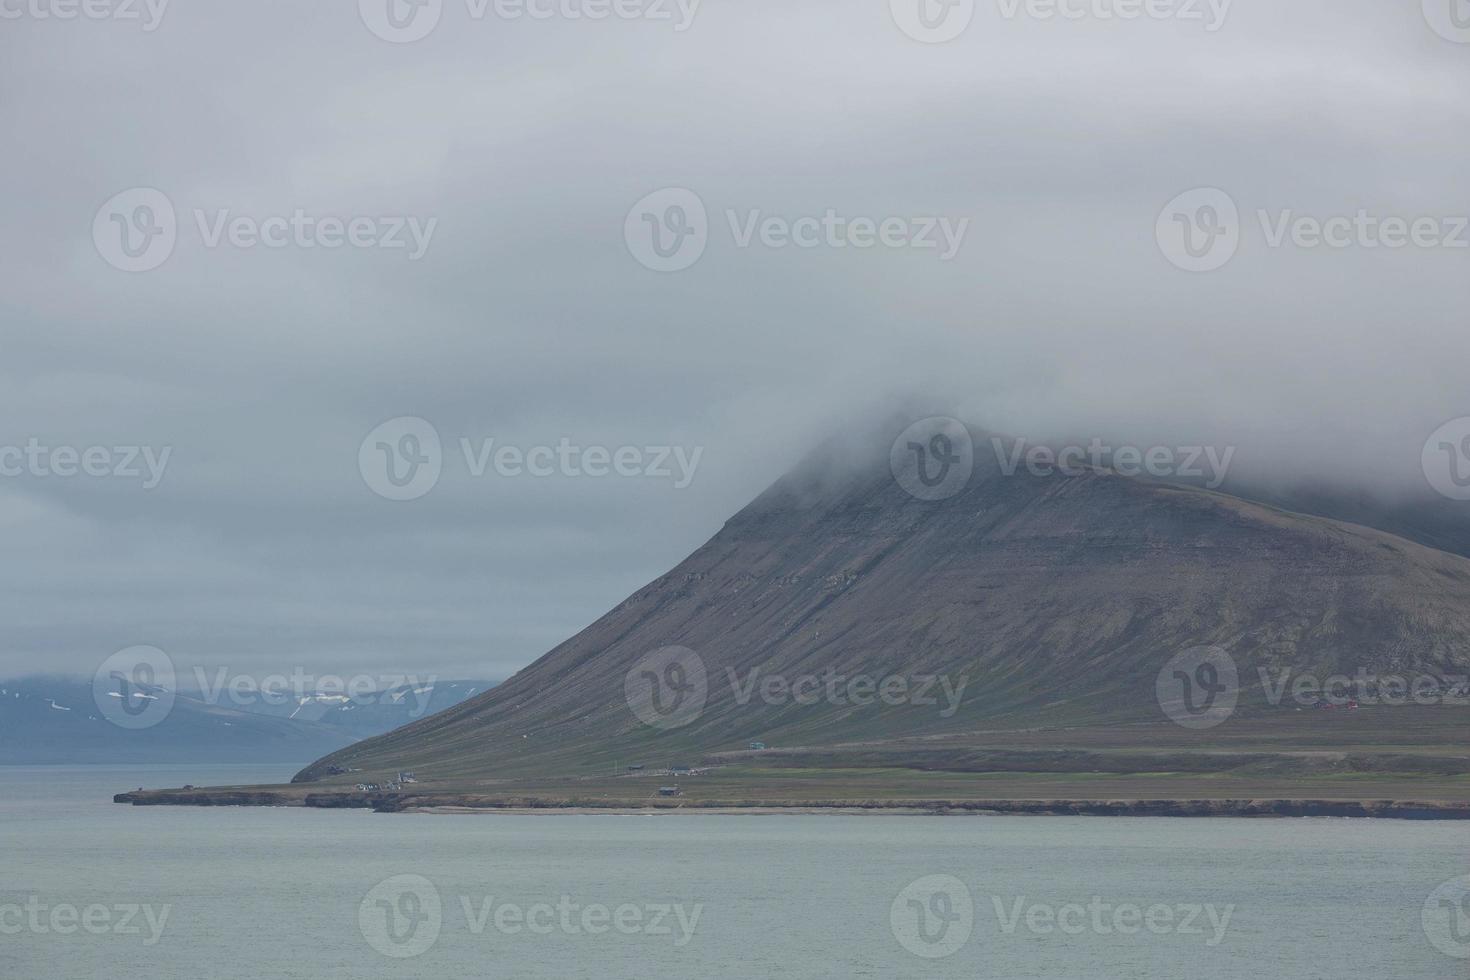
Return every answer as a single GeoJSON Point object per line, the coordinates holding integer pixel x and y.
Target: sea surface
{"type": "Point", "coordinates": [90, 889]}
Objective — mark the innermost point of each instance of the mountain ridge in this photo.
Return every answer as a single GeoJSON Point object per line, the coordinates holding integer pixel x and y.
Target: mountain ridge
{"type": "Point", "coordinates": [52, 719]}
{"type": "Point", "coordinates": [1057, 599]}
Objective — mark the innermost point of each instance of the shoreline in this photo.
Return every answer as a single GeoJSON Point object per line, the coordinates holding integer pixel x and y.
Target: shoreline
{"type": "Point", "coordinates": [460, 804]}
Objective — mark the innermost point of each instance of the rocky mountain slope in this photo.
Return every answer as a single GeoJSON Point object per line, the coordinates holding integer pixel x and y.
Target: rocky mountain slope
{"type": "Point", "coordinates": [1020, 604]}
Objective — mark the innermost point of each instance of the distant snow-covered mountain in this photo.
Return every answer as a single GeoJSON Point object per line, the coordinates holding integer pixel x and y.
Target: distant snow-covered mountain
{"type": "Point", "coordinates": [56, 720]}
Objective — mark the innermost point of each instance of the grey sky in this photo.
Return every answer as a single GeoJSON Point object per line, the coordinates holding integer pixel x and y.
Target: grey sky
{"type": "Point", "coordinates": [528, 320]}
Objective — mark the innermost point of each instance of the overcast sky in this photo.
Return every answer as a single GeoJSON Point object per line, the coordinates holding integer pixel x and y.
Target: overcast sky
{"type": "Point", "coordinates": [524, 314]}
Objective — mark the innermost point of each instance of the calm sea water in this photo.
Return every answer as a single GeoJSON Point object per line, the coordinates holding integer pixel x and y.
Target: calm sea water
{"type": "Point", "coordinates": [90, 889]}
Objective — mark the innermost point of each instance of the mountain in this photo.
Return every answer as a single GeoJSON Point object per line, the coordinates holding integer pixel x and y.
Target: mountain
{"type": "Point", "coordinates": [362, 717]}
{"type": "Point", "coordinates": [55, 720]}
{"type": "Point", "coordinates": [1043, 616]}
{"type": "Point", "coordinates": [1426, 518]}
